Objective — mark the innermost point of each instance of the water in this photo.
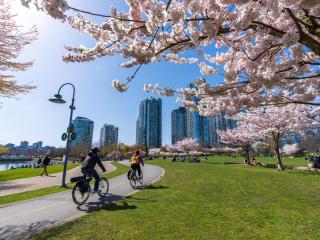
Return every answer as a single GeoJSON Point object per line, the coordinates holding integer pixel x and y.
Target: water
{"type": "Point", "coordinates": [10, 165]}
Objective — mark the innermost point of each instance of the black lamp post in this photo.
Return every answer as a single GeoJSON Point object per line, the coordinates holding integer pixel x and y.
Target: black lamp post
{"type": "Point", "coordinates": [58, 99]}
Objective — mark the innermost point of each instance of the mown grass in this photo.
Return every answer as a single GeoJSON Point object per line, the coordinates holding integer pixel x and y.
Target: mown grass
{"type": "Point", "coordinates": [32, 172]}
{"type": "Point", "coordinates": [121, 169]}
{"type": "Point", "coordinates": [288, 161]}
{"type": "Point", "coordinates": [208, 200]}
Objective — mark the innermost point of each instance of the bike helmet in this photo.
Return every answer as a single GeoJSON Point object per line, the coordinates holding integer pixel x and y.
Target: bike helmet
{"type": "Point", "coordinates": [95, 150]}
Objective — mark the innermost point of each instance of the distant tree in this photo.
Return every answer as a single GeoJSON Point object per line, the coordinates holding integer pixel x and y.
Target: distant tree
{"type": "Point", "coordinates": [79, 150]}
{"type": "Point", "coordinates": [163, 149]}
{"type": "Point", "coordinates": [311, 143]}
{"type": "Point", "coordinates": [57, 152]}
{"type": "Point", "coordinates": [291, 149]}
{"type": "Point", "coordinates": [187, 145]}
{"type": "Point", "coordinates": [275, 121]}
{"type": "Point", "coordinates": [172, 148]}
{"type": "Point", "coordinates": [260, 147]}
{"type": "Point", "coordinates": [3, 150]}
{"type": "Point", "coordinates": [242, 136]}
{"type": "Point", "coordinates": [12, 42]}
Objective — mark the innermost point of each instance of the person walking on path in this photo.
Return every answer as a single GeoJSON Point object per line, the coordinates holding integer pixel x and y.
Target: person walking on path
{"type": "Point", "coordinates": [88, 166]}
{"type": "Point", "coordinates": [45, 164]}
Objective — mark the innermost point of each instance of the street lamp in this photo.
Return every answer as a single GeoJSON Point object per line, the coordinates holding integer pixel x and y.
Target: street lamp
{"type": "Point", "coordinates": [58, 99]}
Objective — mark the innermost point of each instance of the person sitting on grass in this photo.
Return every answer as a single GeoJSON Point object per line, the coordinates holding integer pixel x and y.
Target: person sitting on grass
{"type": "Point", "coordinates": [135, 163]}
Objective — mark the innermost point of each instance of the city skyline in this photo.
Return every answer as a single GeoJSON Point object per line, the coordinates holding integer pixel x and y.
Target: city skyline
{"type": "Point", "coordinates": [189, 124]}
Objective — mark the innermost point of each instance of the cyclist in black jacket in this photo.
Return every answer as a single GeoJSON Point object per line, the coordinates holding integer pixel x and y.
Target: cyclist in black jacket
{"type": "Point", "coordinates": [88, 166]}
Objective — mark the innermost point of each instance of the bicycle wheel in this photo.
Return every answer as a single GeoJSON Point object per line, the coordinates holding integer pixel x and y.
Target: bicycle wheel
{"type": "Point", "coordinates": [78, 195]}
{"type": "Point", "coordinates": [133, 179]}
{"type": "Point", "coordinates": [103, 187]}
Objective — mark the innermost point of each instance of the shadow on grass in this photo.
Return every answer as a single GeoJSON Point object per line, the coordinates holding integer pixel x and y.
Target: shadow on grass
{"type": "Point", "coordinates": [112, 202]}
{"type": "Point", "coordinates": [154, 187]}
{"type": "Point", "coordinates": [24, 231]}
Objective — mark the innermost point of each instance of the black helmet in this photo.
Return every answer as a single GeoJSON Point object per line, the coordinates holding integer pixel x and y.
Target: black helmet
{"type": "Point", "coordinates": [95, 150]}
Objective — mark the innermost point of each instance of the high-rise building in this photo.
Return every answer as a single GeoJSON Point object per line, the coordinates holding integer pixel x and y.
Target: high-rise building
{"type": "Point", "coordinates": [108, 135]}
{"type": "Point", "coordinates": [9, 145]}
{"type": "Point", "coordinates": [189, 124]}
{"type": "Point", "coordinates": [24, 145]}
{"type": "Point", "coordinates": [193, 123]}
{"type": "Point", "coordinates": [149, 123]}
{"type": "Point", "coordinates": [37, 145]}
{"type": "Point", "coordinates": [84, 131]}
{"type": "Point", "coordinates": [178, 124]}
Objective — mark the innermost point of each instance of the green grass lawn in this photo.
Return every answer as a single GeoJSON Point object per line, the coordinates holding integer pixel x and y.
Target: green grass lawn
{"type": "Point", "coordinates": [295, 161]}
{"type": "Point", "coordinates": [208, 200]}
{"type": "Point", "coordinates": [121, 169]}
{"type": "Point", "coordinates": [32, 172]}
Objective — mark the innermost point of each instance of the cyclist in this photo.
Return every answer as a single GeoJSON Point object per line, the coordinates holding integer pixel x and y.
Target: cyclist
{"type": "Point", "coordinates": [88, 166]}
{"type": "Point", "coordinates": [135, 163]}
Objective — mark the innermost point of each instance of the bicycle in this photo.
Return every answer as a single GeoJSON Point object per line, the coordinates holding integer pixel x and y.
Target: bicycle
{"type": "Point", "coordinates": [82, 189]}
{"type": "Point", "coordinates": [134, 178]}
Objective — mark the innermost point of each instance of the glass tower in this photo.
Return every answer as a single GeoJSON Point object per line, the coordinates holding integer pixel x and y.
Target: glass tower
{"type": "Point", "coordinates": [108, 135]}
{"type": "Point", "coordinates": [178, 125]}
{"type": "Point", "coordinates": [84, 130]}
{"type": "Point", "coordinates": [149, 123]}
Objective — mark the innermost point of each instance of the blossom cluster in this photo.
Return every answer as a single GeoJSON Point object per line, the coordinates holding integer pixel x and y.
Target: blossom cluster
{"type": "Point", "coordinates": [269, 50]}
{"type": "Point", "coordinates": [185, 145]}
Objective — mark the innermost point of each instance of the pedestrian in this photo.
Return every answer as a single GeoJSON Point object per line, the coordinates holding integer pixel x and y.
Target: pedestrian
{"type": "Point", "coordinates": [174, 159]}
{"type": "Point", "coordinates": [254, 160]}
{"type": "Point", "coordinates": [45, 164]}
{"type": "Point", "coordinates": [39, 161]}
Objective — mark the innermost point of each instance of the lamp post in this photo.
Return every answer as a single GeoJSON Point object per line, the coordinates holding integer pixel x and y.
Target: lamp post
{"type": "Point", "coordinates": [58, 99]}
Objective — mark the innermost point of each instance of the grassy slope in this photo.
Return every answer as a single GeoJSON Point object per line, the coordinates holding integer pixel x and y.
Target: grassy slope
{"type": "Point", "coordinates": [49, 190]}
{"type": "Point", "coordinates": [209, 201]}
{"type": "Point", "coordinates": [31, 172]}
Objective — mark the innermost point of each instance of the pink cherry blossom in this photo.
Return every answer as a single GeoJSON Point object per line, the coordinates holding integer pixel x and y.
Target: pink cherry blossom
{"type": "Point", "coordinates": [269, 50]}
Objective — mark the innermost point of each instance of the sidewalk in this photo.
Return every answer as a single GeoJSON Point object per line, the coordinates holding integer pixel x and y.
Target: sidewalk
{"type": "Point", "coordinates": [28, 184]}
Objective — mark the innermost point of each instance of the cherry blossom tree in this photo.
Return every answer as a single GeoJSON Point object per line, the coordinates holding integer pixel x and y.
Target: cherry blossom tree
{"type": "Point", "coordinates": [187, 145]}
{"type": "Point", "coordinates": [154, 152]}
{"type": "Point", "coordinates": [12, 42]}
{"type": "Point", "coordinates": [242, 136]}
{"type": "Point", "coordinates": [275, 122]}
{"type": "Point", "coordinates": [261, 147]}
{"type": "Point", "coordinates": [291, 149]}
{"type": "Point", "coordinates": [172, 148]}
{"type": "Point", "coordinates": [269, 50]}
{"type": "Point", "coordinates": [114, 155]}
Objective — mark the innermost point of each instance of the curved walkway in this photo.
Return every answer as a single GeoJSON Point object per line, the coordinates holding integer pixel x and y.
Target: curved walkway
{"type": "Point", "coordinates": [32, 183]}
{"type": "Point", "coordinates": [22, 220]}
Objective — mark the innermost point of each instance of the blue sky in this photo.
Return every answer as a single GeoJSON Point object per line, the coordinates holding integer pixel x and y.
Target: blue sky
{"type": "Point", "coordinates": [32, 117]}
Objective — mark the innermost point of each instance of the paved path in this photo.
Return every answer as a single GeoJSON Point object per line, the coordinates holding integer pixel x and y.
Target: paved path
{"type": "Point", "coordinates": [20, 221]}
{"type": "Point", "coordinates": [32, 183]}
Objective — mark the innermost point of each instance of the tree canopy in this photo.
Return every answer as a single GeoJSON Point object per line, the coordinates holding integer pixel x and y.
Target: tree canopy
{"type": "Point", "coordinates": [269, 50]}
{"type": "Point", "coordinates": [12, 42]}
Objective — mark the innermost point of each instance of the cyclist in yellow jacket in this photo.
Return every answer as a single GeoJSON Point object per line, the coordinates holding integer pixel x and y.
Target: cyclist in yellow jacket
{"type": "Point", "coordinates": [135, 163]}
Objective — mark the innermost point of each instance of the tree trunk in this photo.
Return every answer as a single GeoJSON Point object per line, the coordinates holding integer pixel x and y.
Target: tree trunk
{"type": "Point", "coordinates": [276, 138]}
{"type": "Point", "coordinates": [246, 149]}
